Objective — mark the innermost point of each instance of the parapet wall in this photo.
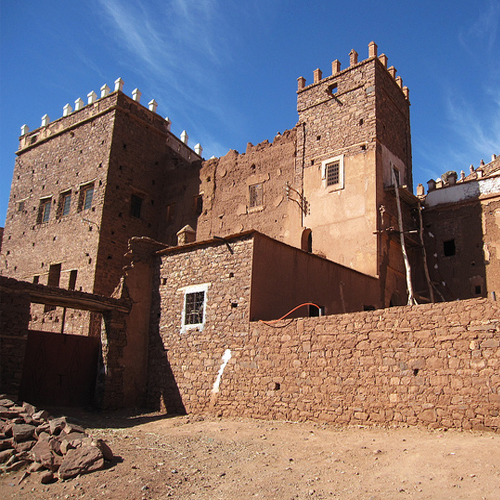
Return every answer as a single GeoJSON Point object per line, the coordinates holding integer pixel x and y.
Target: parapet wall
{"type": "Point", "coordinates": [433, 365]}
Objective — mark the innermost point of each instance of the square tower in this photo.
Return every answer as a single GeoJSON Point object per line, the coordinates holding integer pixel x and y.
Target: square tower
{"type": "Point", "coordinates": [353, 133]}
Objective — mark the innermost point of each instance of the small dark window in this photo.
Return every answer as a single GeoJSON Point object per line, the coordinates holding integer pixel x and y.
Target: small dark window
{"type": "Point", "coordinates": [20, 206]}
{"type": "Point", "coordinates": [256, 195]}
{"type": "Point", "coordinates": [333, 174]}
{"type": "Point", "coordinates": [36, 279]}
{"type": "Point", "coordinates": [72, 279]}
{"type": "Point", "coordinates": [478, 290]}
{"type": "Point", "coordinates": [316, 311]}
{"type": "Point", "coordinates": [54, 275]}
{"type": "Point", "coordinates": [135, 206]}
{"type": "Point", "coordinates": [332, 89]}
{"type": "Point", "coordinates": [195, 303]}
{"type": "Point", "coordinates": [449, 248]}
{"type": "Point", "coordinates": [198, 204]}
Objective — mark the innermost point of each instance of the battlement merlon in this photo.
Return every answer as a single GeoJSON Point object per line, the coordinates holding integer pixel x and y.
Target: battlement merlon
{"type": "Point", "coordinates": [353, 62]}
{"type": "Point", "coordinates": [107, 103]}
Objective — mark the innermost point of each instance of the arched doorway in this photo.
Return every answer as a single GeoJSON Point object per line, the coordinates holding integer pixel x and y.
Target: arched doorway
{"type": "Point", "coordinates": [306, 241]}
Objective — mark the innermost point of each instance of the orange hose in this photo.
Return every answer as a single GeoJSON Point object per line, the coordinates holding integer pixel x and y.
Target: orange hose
{"type": "Point", "coordinates": [290, 312]}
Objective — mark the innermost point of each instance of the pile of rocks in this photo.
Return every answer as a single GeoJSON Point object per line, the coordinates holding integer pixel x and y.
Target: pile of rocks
{"type": "Point", "coordinates": [30, 439]}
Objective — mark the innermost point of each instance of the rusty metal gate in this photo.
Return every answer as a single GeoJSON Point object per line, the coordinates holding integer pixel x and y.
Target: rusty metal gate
{"type": "Point", "coordinates": [59, 369]}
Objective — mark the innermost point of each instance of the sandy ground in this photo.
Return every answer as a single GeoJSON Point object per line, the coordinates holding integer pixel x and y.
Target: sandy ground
{"type": "Point", "coordinates": [194, 458]}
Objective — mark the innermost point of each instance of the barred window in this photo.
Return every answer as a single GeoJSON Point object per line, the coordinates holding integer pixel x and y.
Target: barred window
{"type": "Point", "coordinates": [194, 311]}
{"type": "Point", "coordinates": [195, 303]}
{"type": "Point", "coordinates": [333, 173]}
{"type": "Point", "coordinates": [256, 195]}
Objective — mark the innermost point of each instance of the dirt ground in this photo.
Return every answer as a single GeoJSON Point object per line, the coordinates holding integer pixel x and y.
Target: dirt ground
{"type": "Point", "coordinates": [194, 458]}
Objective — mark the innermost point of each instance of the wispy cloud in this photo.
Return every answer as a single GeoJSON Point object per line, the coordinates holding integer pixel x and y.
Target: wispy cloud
{"type": "Point", "coordinates": [173, 38]}
{"type": "Point", "coordinates": [484, 30]}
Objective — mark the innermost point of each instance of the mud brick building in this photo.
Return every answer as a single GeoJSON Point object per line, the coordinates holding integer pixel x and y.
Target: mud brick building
{"type": "Point", "coordinates": [208, 255]}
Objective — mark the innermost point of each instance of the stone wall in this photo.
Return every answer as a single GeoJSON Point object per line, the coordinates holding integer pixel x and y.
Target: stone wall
{"type": "Point", "coordinates": [434, 365]}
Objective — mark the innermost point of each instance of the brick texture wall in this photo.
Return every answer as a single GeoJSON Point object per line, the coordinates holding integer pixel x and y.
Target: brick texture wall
{"type": "Point", "coordinates": [432, 365]}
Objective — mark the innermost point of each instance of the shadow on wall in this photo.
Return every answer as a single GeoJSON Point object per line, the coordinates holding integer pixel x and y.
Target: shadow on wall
{"type": "Point", "coordinates": [163, 392]}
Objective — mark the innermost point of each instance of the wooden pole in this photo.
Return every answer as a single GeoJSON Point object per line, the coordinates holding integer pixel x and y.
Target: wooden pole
{"type": "Point", "coordinates": [411, 298]}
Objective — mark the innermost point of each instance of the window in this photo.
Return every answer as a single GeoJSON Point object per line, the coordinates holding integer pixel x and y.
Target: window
{"type": "Point", "coordinates": [449, 248]}
{"type": "Point", "coordinates": [193, 314]}
{"type": "Point", "coordinates": [54, 275]}
{"type": "Point", "coordinates": [20, 206]}
{"type": "Point", "coordinates": [332, 173]}
{"type": "Point", "coordinates": [316, 311]}
{"type": "Point", "coordinates": [198, 204]}
{"type": "Point", "coordinates": [256, 195]}
{"type": "Point", "coordinates": [44, 210]}
{"type": "Point", "coordinates": [36, 279]}
{"type": "Point", "coordinates": [64, 204]}
{"type": "Point", "coordinates": [86, 196]}
{"type": "Point", "coordinates": [72, 279]}
{"type": "Point", "coordinates": [135, 206]}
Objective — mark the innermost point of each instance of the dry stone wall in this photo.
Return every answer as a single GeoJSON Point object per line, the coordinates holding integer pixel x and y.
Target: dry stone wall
{"type": "Point", "coordinates": [434, 365]}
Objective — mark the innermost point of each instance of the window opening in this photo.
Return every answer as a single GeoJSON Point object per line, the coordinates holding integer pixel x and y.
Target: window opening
{"type": "Point", "coordinates": [315, 312]}
{"type": "Point", "coordinates": [256, 195]}
{"type": "Point", "coordinates": [332, 173]}
{"type": "Point", "coordinates": [135, 206]}
{"type": "Point", "coordinates": [86, 197]}
{"type": "Point", "coordinates": [478, 289]}
{"type": "Point", "coordinates": [54, 275]}
{"type": "Point", "coordinates": [194, 308]}
{"type": "Point", "coordinates": [20, 206]}
{"type": "Point", "coordinates": [198, 204]}
{"type": "Point", "coordinates": [193, 314]}
{"type": "Point", "coordinates": [72, 279]}
{"type": "Point", "coordinates": [36, 279]}
{"type": "Point", "coordinates": [44, 210]}
{"type": "Point", "coordinates": [66, 204]}
{"type": "Point", "coordinates": [449, 248]}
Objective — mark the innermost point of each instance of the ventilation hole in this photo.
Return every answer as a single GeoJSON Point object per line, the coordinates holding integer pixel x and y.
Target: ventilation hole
{"type": "Point", "coordinates": [277, 386]}
{"type": "Point", "coordinates": [415, 371]}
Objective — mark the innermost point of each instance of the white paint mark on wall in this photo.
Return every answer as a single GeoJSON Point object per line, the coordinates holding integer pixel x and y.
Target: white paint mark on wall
{"type": "Point", "coordinates": [225, 359]}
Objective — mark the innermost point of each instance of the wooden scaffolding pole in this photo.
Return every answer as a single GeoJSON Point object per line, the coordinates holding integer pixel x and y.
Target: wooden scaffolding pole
{"type": "Point", "coordinates": [411, 297]}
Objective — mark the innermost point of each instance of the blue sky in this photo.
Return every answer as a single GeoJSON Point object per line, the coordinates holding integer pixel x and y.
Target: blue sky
{"type": "Point", "coordinates": [227, 71]}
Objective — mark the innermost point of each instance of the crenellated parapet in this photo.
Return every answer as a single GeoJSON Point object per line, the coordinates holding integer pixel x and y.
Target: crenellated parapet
{"type": "Point", "coordinates": [105, 103]}
{"type": "Point", "coordinates": [353, 62]}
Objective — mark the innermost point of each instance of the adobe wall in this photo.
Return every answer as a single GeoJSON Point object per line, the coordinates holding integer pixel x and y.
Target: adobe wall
{"type": "Point", "coordinates": [433, 365]}
{"type": "Point", "coordinates": [456, 276]}
{"type": "Point", "coordinates": [284, 277]}
{"type": "Point", "coordinates": [491, 244]}
{"type": "Point", "coordinates": [52, 160]}
{"type": "Point", "coordinates": [228, 274]}
{"type": "Point", "coordinates": [225, 184]}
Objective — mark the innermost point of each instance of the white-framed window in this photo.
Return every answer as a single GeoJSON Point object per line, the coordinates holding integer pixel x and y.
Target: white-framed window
{"type": "Point", "coordinates": [332, 173]}
{"type": "Point", "coordinates": [194, 308]}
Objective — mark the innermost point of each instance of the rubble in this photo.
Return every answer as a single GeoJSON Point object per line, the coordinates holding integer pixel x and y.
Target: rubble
{"type": "Point", "coordinates": [53, 447]}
